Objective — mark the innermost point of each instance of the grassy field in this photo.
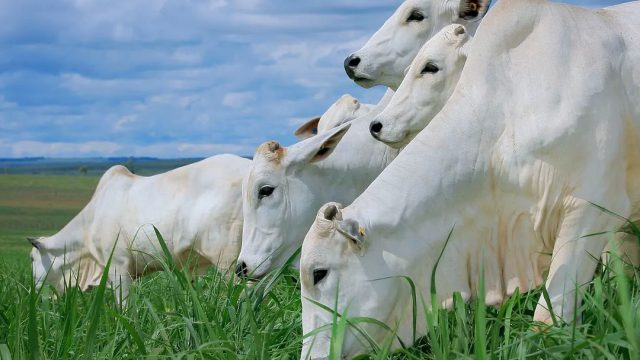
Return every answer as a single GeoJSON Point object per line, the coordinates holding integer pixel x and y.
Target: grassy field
{"type": "Point", "coordinates": [171, 315]}
{"type": "Point", "coordinates": [38, 205]}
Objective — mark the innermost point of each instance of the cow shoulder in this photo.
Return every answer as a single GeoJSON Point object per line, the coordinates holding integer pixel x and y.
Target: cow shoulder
{"type": "Point", "coordinates": [112, 174]}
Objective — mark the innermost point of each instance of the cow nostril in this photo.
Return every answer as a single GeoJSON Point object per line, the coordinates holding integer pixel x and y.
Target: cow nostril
{"type": "Point", "coordinates": [350, 65]}
{"type": "Point", "coordinates": [241, 269]}
{"type": "Point", "coordinates": [354, 61]}
{"type": "Point", "coordinates": [375, 128]}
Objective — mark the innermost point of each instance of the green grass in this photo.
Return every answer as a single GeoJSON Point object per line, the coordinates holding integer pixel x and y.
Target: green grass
{"type": "Point", "coordinates": [171, 315]}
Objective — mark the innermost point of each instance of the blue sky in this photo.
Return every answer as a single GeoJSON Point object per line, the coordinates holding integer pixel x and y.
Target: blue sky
{"type": "Point", "coordinates": [171, 78]}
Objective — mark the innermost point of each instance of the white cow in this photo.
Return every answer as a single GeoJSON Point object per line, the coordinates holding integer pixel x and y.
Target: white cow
{"type": "Point", "coordinates": [543, 124]}
{"type": "Point", "coordinates": [197, 208]}
{"type": "Point", "coordinates": [345, 109]}
{"type": "Point", "coordinates": [426, 87]}
{"type": "Point", "coordinates": [286, 186]}
{"type": "Point", "coordinates": [384, 58]}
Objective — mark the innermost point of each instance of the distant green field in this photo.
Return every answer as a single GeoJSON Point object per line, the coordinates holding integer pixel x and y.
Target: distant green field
{"type": "Point", "coordinates": [33, 205]}
{"type": "Point", "coordinates": [88, 166]}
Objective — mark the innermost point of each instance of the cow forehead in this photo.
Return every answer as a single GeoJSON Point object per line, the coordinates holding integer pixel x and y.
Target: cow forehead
{"type": "Point", "coordinates": [440, 50]}
{"type": "Point", "coordinates": [262, 170]}
{"type": "Point", "coordinates": [322, 241]}
{"type": "Point", "coordinates": [443, 42]}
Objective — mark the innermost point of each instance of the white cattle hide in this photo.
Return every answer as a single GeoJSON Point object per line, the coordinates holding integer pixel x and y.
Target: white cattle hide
{"type": "Point", "coordinates": [197, 209]}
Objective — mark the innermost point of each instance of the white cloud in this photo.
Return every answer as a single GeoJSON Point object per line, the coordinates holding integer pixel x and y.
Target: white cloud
{"type": "Point", "coordinates": [124, 122]}
{"type": "Point", "coordinates": [187, 56]}
{"type": "Point", "coordinates": [250, 5]}
{"type": "Point", "coordinates": [238, 99]}
{"type": "Point", "coordinates": [57, 149]}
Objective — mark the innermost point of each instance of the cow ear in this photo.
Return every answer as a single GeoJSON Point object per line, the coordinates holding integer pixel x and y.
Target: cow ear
{"type": "Point", "coordinates": [318, 147]}
{"type": "Point", "coordinates": [35, 242]}
{"type": "Point", "coordinates": [473, 9]}
{"type": "Point", "coordinates": [354, 233]}
{"type": "Point", "coordinates": [308, 129]}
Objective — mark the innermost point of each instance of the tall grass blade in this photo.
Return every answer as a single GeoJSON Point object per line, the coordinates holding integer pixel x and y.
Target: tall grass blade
{"type": "Point", "coordinates": [480, 320]}
{"type": "Point", "coordinates": [34, 345]}
{"type": "Point", "coordinates": [5, 354]}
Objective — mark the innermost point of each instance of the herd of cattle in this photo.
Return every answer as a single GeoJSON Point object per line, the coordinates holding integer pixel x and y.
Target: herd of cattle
{"type": "Point", "coordinates": [499, 143]}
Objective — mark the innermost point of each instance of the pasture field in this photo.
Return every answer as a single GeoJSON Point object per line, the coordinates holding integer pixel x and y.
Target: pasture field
{"type": "Point", "coordinates": [172, 315]}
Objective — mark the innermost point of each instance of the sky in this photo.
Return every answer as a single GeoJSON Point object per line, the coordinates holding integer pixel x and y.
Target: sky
{"type": "Point", "coordinates": [174, 78]}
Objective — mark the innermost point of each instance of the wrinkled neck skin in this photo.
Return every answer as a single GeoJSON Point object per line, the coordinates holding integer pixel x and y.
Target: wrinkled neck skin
{"type": "Point", "coordinates": [446, 199]}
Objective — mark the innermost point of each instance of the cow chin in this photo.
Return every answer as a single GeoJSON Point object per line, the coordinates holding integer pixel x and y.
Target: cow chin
{"type": "Point", "coordinates": [395, 142]}
{"type": "Point", "coordinates": [364, 82]}
{"type": "Point", "coordinates": [259, 268]}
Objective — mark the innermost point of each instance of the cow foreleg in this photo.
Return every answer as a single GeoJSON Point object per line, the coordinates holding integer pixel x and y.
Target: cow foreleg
{"type": "Point", "coordinates": [575, 257]}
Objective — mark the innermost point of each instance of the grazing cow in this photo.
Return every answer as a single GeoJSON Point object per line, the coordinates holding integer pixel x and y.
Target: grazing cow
{"type": "Point", "coordinates": [197, 208]}
{"type": "Point", "coordinates": [286, 185]}
{"type": "Point", "coordinates": [426, 87]}
{"type": "Point", "coordinates": [345, 109]}
{"type": "Point", "coordinates": [543, 124]}
{"type": "Point", "coordinates": [384, 58]}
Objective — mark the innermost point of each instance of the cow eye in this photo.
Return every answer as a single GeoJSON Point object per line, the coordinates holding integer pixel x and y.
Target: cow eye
{"type": "Point", "coordinates": [430, 68]}
{"type": "Point", "coordinates": [265, 191]}
{"type": "Point", "coordinates": [415, 16]}
{"type": "Point", "coordinates": [318, 275]}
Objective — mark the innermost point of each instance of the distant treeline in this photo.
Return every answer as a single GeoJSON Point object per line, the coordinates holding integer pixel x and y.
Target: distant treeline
{"type": "Point", "coordinates": [89, 166]}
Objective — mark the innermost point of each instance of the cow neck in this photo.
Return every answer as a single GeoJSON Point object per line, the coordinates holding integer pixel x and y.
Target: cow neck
{"type": "Point", "coordinates": [355, 163]}
{"type": "Point", "coordinates": [441, 171]}
{"type": "Point", "coordinates": [67, 242]}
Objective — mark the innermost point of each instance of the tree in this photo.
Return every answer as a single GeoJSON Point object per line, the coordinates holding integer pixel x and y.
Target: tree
{"type": "Point", "coordinates": [129, 165]}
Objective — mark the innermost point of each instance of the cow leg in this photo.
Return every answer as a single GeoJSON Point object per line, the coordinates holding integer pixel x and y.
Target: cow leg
{"type": "Point", "coordinates": [574, 260]}
{"type": "Point", "coordinates": [120, 280]}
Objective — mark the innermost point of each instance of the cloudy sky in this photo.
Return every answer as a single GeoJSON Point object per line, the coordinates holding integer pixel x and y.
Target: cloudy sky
{"type": "Point", "coordinates": [174, 78]}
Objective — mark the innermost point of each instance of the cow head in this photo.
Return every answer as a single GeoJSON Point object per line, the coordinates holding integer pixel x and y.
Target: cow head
{"type": "Point", "coordinates": [345, 109]}
{"type": "Point", "coordinates": [428, 84]}
{"type": "Point", "coordinates": [383, 59]}
{"type": "Point", "coordinates": [338, 268]}
{"type": "Point", "coordinates": [278, 200]}
{"type": "Point", "coordinates": [47, 265]}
